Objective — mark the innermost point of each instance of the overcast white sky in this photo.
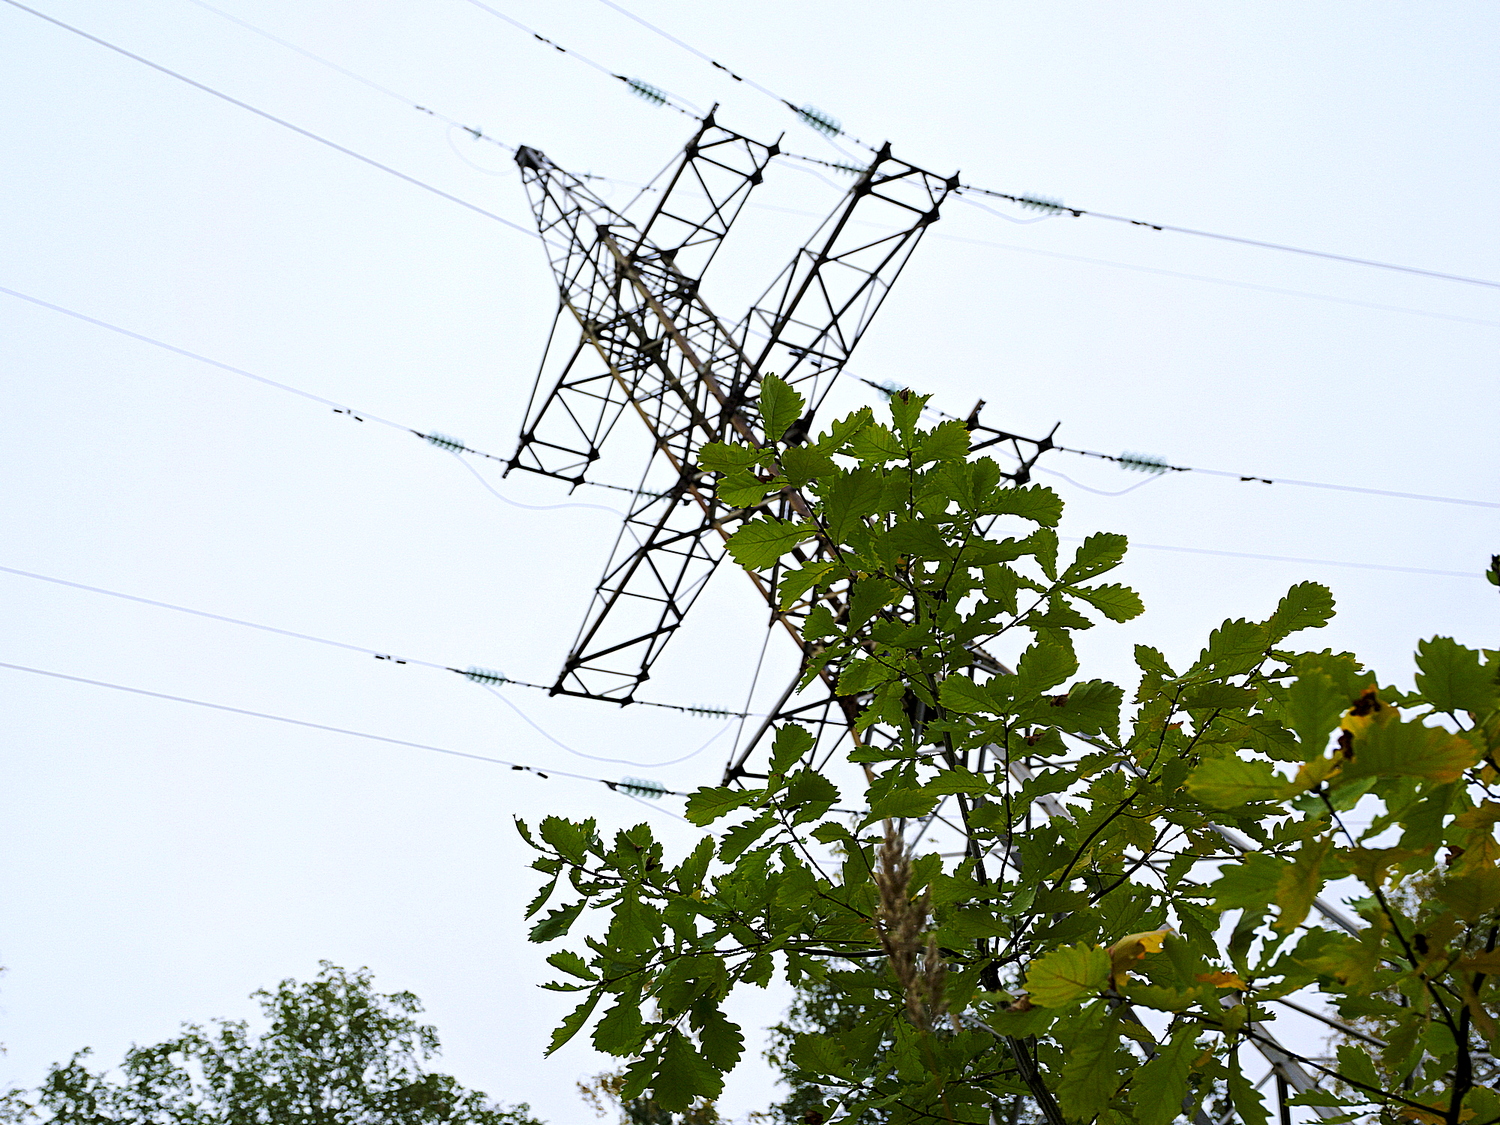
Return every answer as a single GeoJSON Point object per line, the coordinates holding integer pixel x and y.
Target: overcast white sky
{"type": "Point", "coordinates": [162, 860]}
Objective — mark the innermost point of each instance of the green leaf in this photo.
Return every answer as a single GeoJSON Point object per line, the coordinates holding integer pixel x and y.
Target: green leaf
{"type": "Point", "coordinates": [1067, 975]}
{"type": "Point", "coordinates": [962, 695]}
{"type": "Point", "coordinates": [795, 583]}
{"type": "Point", "coordinates": [1248, 1104]}
{"type": "Point", "coordinates": [1227, 783]}
{"type": "Point", "coordinates": [743, 489]}
{"type": "Point", "coordinates": [1035, 502]}
{"type": "Point", "coordinates": [1452, 678]}
{"type": "Point", "coordinates": [780, 406]}
{"type": "Point", "coordinates": [1118, 603]}
{"type": "Point", "coordinates": [569, 838]}
{"type": "Point", "coordinates": [738, 839]}
{"type": "Point", "coordinates": [704, 806]}
{"type": "Point", "coordinates": [1100, 552]}
{"type": "Point", "coordinates": [1247, 885]}
{"type": "Point", "coordinates": [792, 741]}
{"type": "Point", "coordinates": [906, 411]}
{"type": "Point", "coordinates": [1234, 648]}
{"type": "Point", "coordinates": [862, 675]}
{"type": "Point", "coordinates": [875, 445]}
{"type": "Point", "coordinates": [572, 964]}
{"type": "Point", "coordinates": [620, 1031]}
{"type": "Point", "coordinates": [1355, 1063]}
{"type": "Point", "coordinates": [820, 1054]}
{"type": "Point", "coordinates": [635, 926]}
{"type": "Point", "coordinates": [682, 1074]}
{"type": "Point", "coordinates": [811, 794]}
{"type": "Point", "coordinates": [1311, 708]}
{"type": "Point", "coordinates": [1093, 1069]}
{"type": "Point", "coordinates": [1092, 707]}
{"type": "Point", "coordinates": [542, 896]}
{"type": "Point", "coordinates": [557, 923]}
{"type": "Point", "coordinates": [1043, 666]}
{"type": "Point", "coordinates": [803, 464]}
{"type": "Point", "coordinates": [948, 441]}
{"type": "Point", "coordinates": [1151, 661]}
{"type": "Point", "coordinates": [848, 500]}
{"type": "Point", "coordinates": [721, 457]}
{"type": "Point", "coordinates": [758, 544]}
{"type": "Point", "coordinates": [574, 1021]}
{"type": "Point", "coordinates": [1157, 1090]}
{"type": "Point", "coordinates": [1307, 605]}
{"type": "Point", "coordinates": [720, 1038]}
{"type": "Point", "coordinates": [1471, 895]}
{"type": "Point", "coordinates": [867, 597]}
{"type": "Point", "coordinates": [1300, 882]}
{"type": "Point", "coordinates": [907, 801]}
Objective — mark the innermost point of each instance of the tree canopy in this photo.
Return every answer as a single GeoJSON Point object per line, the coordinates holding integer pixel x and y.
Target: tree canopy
{"type": "Point", "coordinates": [1129, 893]}
{"type": "Point", "coordinates": [336, 1052]}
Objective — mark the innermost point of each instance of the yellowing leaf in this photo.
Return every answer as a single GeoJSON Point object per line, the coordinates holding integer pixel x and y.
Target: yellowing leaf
{"type": "Point", "coordinates": [1128, 950]}
{"type": "Point", "coordinates": [1228, 782]}
{"type": "Point", "coordinates": [1390, 748]}
{"type": "Point", "coordinates": [1368, 710]}
{"type": "Point", "coordinates": [1312, 774]}
{"type": "Point", "coordinates": [1223, 979]}
{"type": "Point", "coordinates": [1472, 894]}
{"type": "Point", "coordinates": [1372, 866]}
{"type": "Point", "coordinates": [1067, 975]}
{"type": "Point", "coordinates": [1300, 882]}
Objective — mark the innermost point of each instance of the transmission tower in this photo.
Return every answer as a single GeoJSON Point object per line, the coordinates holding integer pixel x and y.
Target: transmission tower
{"type": "Point", "coordinates": [649, 345]}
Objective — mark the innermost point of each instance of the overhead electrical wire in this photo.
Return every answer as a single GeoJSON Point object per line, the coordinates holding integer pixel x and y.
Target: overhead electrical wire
{"type": "Point", "coordinates": [810, 116]}
{"type": "Point", "coordinates": [1155, 465]}
{"type": "Point", "coordinates": [637, 86]}
{"type": "Point", "coordinates": [619, 786]}
{"type": "Point", "coordinates": [1057, 207]}
{"type": "Point", "coordinates": [278, 120]}
{"type": "Point", "coordinates": [1024, 200]}
{"type": "Point", "coordinates": [483, 677]}
{"type": "Point", "coordinates": [644, 91]}
{"type": "Point", "coordinates": [477, 133]}
{"type": "Point", "coordinates": [988, 243]}
{"type": "Point", "coordinates": [431, 437]}
{"type": "Point", "coordinates": [452, 445]}
{"type": "Point", "coordinates": [1140, 463]}
{"type": "Point", "coordinates": [1292, 559]}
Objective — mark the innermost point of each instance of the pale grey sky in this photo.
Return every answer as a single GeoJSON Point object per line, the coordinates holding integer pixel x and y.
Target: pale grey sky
{"type": "Point", "coordinates": [161, 860]}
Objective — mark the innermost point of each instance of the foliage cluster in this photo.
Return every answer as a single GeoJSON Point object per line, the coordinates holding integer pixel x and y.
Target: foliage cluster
{"type": "Point", "coordinates": [1129, 893]}
{"type": "Point", "coordinates": [336, 1053]}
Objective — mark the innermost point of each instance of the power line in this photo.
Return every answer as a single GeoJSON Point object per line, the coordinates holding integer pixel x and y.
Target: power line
{"type": "Point", "coordinates": [642, 89]}
{"type": "Point", "coordinates": [1143, 463]}
{"type": "Point", "coordinates": [544, 774]}
{"type": "Point", "coordinates": [810, 116]}
{"type": "Point", "coordinates": [478, 134]}
{"type": "Point", "coordinates": [1080, 212]}
{"type": "Point", "coordinates": [1153, 465]}
{"type": "Point", "coordinates": [475, 675]}
{"type": "Point", "coordinates": [1057, 207]}
{"type": "Point", "coordinates": [474, 131]}
{"type": "Point", "coordinates": [1214, 280]}
{"type": "Point", "coordinates": [454, 446]}
{"type": "Point", "coordinates": [1293, 559]}
{"type": "Point", "coordinates": [431, 437]}
{"type": "Point", "coordinates": [277, 120]}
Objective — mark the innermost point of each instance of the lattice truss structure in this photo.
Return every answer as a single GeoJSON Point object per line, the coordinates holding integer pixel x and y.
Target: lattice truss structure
{"type": "Point", "coordinates": [649, 346]}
